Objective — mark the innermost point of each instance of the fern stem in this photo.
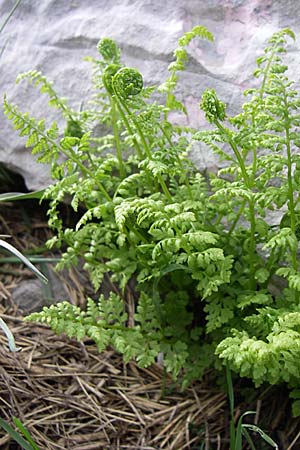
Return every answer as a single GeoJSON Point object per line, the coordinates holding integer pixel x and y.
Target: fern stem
{"type": "Point", "coordinates": [266, 73]}
{"type": "Point", "coordinates": [186, 179]}
{"type": "Point", "coordinates": [252, 246]}
{"type": "Point", "coordinates": [275, 255]}
{"type": "Point", "coordinates": [89, 157]}
{"type": "Point", "coordinates": [136, 124]}
{"type": "Point", "coordinates": [165, 188]}
{"type": "Point", "coordinates": [146, 147]}
{"type": "Point", "coordinates": [249, 184]}
{"type": "Point", "coordinates": [128, 127]}
{"type": "Point", "coordinates": [116, 136]}
{"type": "Point", "coordinates": [238, 216]}
{"type": "Point", "coordinates": [131, 133]}
{"type": "Point", "coordinates": [86, 171]}
{"type": "Point", "coordinates": [238, 156]}
{"type": "Point", "coordinates": [115, 99]}
{"type": "Point", "coordinates": [254, 164]}
{"type": "Point", "coordinates": [291, 203]}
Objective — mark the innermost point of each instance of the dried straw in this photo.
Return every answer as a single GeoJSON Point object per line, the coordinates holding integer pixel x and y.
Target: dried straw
{"type": "Point", "coordinates": [71, 397]}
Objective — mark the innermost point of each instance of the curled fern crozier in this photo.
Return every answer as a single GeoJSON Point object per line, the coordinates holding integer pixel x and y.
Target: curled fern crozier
{"type": "Point", "coordinates": [108, 75]}
{"type": "Point", "coordinates": [127, 82]}
{"type": "Point", "coordinates": [108, 50]}
{"type": "Point", "coordinates": [213, 107]}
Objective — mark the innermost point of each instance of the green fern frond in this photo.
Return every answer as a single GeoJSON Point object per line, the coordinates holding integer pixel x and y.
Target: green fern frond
{"type": "Point", "coordinates": [284, 238]}
{"type": "Point", "coordinates": [42, 141]}
{"type": "Point", "coordinates": [37, 79]}
{"type": "Point", "coordinates": [181, 58]}
{"type": "Point", "coordinates": [219, 311]}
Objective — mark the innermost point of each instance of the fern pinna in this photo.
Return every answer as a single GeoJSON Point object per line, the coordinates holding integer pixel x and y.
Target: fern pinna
{"type": "Point", "coordinates": [202, 250]}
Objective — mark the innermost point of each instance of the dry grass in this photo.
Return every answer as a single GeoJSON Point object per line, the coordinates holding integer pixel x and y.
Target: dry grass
{"type": "Point", "coordinates": [71, 397]}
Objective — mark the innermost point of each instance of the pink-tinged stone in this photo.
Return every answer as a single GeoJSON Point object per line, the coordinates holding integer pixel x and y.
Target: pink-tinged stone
{"type": "Point", "coordinates": [54, 36]}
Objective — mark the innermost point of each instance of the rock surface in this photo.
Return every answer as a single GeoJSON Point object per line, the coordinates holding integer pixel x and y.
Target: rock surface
{"type": "Point", "coordinates": [54, 36]}
{"type": "Point", "coordinates": [31, 295]}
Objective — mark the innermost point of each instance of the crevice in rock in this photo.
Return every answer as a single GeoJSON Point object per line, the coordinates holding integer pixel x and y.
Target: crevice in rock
{"type": "Point", "coordinates": [11, 181]}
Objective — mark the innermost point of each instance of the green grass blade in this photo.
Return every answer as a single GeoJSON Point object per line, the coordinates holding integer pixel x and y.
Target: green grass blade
{"type": "Point", "coordinates": [9, 15]}
{"type": "Point", "coordinates": [33, 259]}
{"type": "Point", "coordinates": [16, 436]}
{"type": "Point", "coordinates": [231, 406]}
{"type": "Point", "coordinates": [19, 255]}
{"type": "Point", "coordinates": [240, 431]}
{"type": "Point", "coordinates": [11, 196]}
{"type": "Point", "coordinates": [230, 390]}
{"type": "Point", "coordinates": [10, 337]}
{"type": "Point", "coordinates": [238, 434]}
{"type": "Point", "coordinates": [262, 434]}
{"type": "Point", "coordinates": [248, 438]}
{"type": "Point", "coordinates": [25, 433]}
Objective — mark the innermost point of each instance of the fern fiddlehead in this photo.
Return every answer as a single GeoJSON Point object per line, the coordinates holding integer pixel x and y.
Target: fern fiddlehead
{"type": "Point", "coordinates": [109, 50]}
{"type": "Point", "coordinates": [127, 82]}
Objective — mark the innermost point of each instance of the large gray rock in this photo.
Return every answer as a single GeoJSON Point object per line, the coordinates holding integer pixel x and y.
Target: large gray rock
{"type": "Point", "coordinates": [54, 36]}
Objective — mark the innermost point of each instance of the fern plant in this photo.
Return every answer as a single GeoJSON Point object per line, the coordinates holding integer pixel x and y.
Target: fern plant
{"type": "Point", "coordinates": [262, 176]}
{"type": "Point", "coordinates": [145, 213]}
{"type": "Point", "coordinates": [204, 253]}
